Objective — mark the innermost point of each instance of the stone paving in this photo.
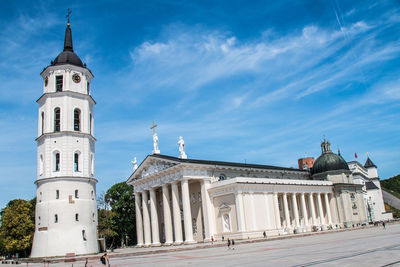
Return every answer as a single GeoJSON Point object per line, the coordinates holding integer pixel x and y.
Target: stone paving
{"type": "Point", "coordinates": [363, 247]}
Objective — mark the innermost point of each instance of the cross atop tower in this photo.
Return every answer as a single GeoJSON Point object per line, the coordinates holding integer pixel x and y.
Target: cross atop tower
{"type": "Point", "coordinates": [67, 16]}
{"type": "Point", "coordinates": [154, 128]}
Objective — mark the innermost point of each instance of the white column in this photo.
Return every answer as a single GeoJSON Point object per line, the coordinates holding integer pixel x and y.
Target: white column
{"type": "Point", "coordinates": [187, 214]}
{"type": "Point", "coordinates": [205, 205]}
{"type": "Point", "coordinates": [176, 210]}
{"type": "Point", "coordinates": [267, 211]}
{"type": "Point", "coordinates": [304, 209]}
{"type": "Point", "coordinates": [253, 212]}
{"type": "Point", "coordinates": [154, 218]}
{"type": "Point", "coordinates": [295, 209]}
{"type": "Point", "coordinates": [146, 219]}
{"type": "Point", "coordinates": [286, 210]}
{"type": "Point", "coordinates": [277, 213]}
{"type": "Point", "coordinates": [320, 211]}
{"type": "Point", "coordinates": [314, 219]}
{"type": "Point", "coordinates": [139, 220]}
{"type": "Point", "coordinates": [328, 208]}
{"type": "Point", "coordinates": [167, 215]}
{"type": "Point", "coordinates": [240, 212]}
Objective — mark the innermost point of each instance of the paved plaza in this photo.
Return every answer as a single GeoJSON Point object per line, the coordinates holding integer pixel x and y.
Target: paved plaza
{"type": "Point", "coordinates": [364, 247]}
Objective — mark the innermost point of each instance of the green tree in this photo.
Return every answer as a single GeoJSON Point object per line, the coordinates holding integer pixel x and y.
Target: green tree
{"type": "Point", "coordinates": [121, 200]}
{"type": "Point", "coordinates": [104, 215]}
{"type": "Point", "coordinates": [17, 226]}
{"type": "Point", "coordinates": [2, 248]}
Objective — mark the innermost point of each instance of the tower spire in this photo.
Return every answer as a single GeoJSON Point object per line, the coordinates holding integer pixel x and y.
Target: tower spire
{"type": "Point", "coordinates": [68, 14]}
{"type": "Point", "coordinates": [326, 146]}
{"type": "Point", "coordinates": [68, 35]}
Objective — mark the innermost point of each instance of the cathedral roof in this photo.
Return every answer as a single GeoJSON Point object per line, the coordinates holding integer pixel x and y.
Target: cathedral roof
{"type": "Point", "coordinates": [369, 163]}
{"type": "Point", "coordinates": [370, 186]}
{"type": "Point", "coordinates": [224, 163]}
{"type": "Point", "coordinates": [328, 161]}
{"type": "Point", "coordinates": [67, 56]}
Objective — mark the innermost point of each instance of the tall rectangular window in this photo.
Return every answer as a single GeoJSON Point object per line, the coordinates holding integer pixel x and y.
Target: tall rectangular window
{"type": "Point", "coordinates": [57, 119]}
{"type": "Point", "coordinates": [55, 218]}
{"type": "Point", "coordinates": [59, 83]}
{"type": "Point", "coordinates": [76, 193]}
{"type": "Point", "coordinates": [77, 120]}
{"type": "Point", "coordinates": [57, 162]}
{"type": "Point", "coordinates": [57, 194]}
{"type": "Point", "coordinates": [88, 88]}
{"type": "Point", "coordinates": [76, 162]}
{"type": "Point", "coordinates": [42, 122]}
{"type": "Point", "coordinates": [90, 124]}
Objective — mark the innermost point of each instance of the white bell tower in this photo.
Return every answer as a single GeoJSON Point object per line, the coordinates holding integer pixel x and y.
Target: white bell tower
{"type": "Point", "coordinates": [66, 210]}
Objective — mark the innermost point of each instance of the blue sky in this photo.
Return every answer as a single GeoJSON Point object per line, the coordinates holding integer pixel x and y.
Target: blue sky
{"type": "Point", "coordinates": [239, 80]}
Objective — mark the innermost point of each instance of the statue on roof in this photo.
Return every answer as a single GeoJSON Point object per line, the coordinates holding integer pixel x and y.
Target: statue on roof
{"type": "Point", "coordinates": [181, 144]}
{"type": "Point", "coordinates": [134, 163]}
{"type": "Point", "coordinates": [155, 139]}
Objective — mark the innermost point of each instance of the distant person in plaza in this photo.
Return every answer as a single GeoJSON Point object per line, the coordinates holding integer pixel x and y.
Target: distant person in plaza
{"type": "Point", "coordinates": [104, 260]}
{"type": "Point", "coordinates": [229, 243]}
{"type": "Point", "coordinates": [384, 225]}
{"type": "Point", "coordinates": [233, 244]}
{"type": "Point", "coordinates": [212, 240]}
{"type": "Point", "coordinates": [223, 238]}
{"type": "Point", "coordinates": [265, 234]}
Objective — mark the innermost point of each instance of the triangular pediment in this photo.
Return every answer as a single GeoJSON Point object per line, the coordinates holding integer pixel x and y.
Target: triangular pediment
{"type": "Point", "coordinates": [151, 166]}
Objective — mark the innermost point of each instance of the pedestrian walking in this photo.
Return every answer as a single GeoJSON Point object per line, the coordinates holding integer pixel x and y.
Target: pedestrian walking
{"type": "Point", "coordinates": [233, 244]}
{"type": "Point", "coordinates": [223, 238]}
{"type": "Point", "coordinates": [212, 240]}
{"type": "Point", "coordinates": [384, 225]}
{"type": "Point", "coordinates": [229, 244]}
{"type": "Point", "coordinates": [104, 260]}
{"type": "Point", "coordinates": [265, 234]}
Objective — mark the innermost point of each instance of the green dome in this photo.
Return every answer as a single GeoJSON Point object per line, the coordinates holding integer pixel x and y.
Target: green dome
{"type": "Point", "coordinates": [328, 161]}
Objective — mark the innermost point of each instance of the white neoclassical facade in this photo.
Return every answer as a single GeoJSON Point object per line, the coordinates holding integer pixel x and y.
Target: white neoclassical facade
{"type": "Point", "coordinates": [66, 210]}
{"type": "Point", "coordinates": [180, 200]}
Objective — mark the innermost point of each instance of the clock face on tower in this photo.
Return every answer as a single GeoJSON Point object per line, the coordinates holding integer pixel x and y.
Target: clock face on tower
{"type": "Point", "coordinates": [76, 78]}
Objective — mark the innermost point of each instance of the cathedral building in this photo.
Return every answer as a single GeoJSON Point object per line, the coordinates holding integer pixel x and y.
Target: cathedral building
{"type": "Point", "coordinates": [180, 200]}
{"type": "Point", "coordinates": [66, 211]}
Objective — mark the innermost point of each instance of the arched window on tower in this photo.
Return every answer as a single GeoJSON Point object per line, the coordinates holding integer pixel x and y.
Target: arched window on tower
{"type": "Point", "coordinates": [41, 165]}
{"type": "Point", "coordinates": [57, 194]}
{"type": "Point", "coordinates": [77, 119]}
{"type": "Point", "coordinates": [57, 119]}
{"type": "Point", "coordinates": [55, 218]}
{"type": "Point", "coordinates": [57, 161]}
{"type": "Point", "coordinates": [42, 117]}
{"type": "Point", "coordinates": [92, 164]}
{"type": "Point", "coordinates": [90, 123]}
{"type": "Point", "coordinates": [76, 162]}
{"type": "Point", "coordinates": [88, 88]}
